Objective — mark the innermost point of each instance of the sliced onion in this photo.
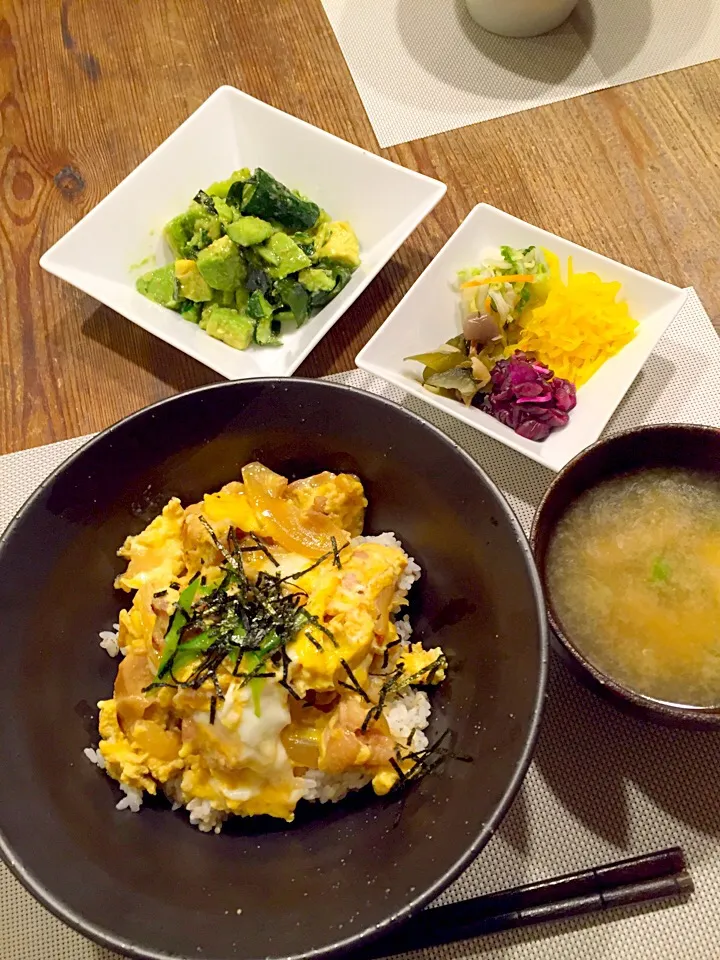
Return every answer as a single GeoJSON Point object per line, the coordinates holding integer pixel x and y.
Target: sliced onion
{"type": "Point", "coordinates": [306, 532]}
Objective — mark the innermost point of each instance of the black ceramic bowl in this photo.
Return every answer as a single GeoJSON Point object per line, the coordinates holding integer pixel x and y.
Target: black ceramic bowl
{"type": "Point", "coordinates": [149, 884]}
{"type": "Point", "coordinates": [667, 445]}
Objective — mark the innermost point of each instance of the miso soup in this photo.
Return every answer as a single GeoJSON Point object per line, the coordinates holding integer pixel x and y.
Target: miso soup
{"type": "Point", "coordinates": [633, 573]}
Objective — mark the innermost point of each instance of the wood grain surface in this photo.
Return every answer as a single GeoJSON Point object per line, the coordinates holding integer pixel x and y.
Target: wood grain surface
{"type": "Point", "coordinates": [90, 87]}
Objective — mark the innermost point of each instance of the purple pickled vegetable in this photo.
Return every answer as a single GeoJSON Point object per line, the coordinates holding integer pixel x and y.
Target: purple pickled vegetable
{"type": "Point", "coordinates": [527, 397]}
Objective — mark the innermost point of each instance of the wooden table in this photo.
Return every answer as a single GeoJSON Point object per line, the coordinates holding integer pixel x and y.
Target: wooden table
{"type": "Point", "coordinates": [91, 87]}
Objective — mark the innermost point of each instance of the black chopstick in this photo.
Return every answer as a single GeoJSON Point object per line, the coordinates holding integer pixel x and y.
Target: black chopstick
{"type": "Point", "coordinates": [637, 880]}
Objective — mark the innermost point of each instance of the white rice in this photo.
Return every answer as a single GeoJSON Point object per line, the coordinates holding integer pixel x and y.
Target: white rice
{"type": "Point", "coordinates": [408, 712]}
{"type": "Point", "coordinates": [132, 800]}
{"type": "Point", "coordinates": [94, 756]}
{"type": "Point", "coordinates": [331, 787]}
{"type": "Point", "coordinates": [404, 629]}
{"type": "Point", "coordinates": [204, 816]}
{"type": "Point", "coordinates": [109, 641]}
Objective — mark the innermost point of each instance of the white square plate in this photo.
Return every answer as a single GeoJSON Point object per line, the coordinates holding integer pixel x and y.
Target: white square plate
{"type": "Point", "coordinates": [429, 315]}
{"type": "Point", "coordinates": [383, 201]}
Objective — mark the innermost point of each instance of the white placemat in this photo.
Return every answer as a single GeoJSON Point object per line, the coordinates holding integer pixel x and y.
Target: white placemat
{"type": "Point", "coordinates": [424, 66]}
{"type": "Point", "coordinates": [602, 786]}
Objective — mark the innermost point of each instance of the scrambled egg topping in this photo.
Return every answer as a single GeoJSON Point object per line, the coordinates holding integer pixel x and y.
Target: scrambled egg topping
{"type": "Point", "coordinates": [207, 714]}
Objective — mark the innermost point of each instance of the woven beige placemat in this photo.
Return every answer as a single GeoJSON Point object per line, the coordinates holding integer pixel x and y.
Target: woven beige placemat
{"type": "Point", "coordinates": [424, 66]}
{"type": "Point", "coordinates": [602, 786]}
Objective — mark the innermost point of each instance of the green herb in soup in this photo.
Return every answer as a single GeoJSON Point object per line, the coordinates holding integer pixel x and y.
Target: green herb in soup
{"type": "Point", "coordinates": [633, 573]}
{"type": "Point", "coordinates": [251, 258]}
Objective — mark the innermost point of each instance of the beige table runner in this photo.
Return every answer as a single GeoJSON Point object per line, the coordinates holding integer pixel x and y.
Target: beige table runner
{"type": "Point", "coordinates": [602, 786]}
{"type": "Point", "coordinates": [424, 66]}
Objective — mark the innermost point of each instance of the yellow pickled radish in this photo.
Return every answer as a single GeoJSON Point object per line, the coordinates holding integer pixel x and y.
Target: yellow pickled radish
{"type": "Point", "coordinates": [579, 325]}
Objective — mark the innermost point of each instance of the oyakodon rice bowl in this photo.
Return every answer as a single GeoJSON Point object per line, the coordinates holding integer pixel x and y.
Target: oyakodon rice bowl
{"type": "Point", "coordinates": [266, 657]}
{"type": "Point", "coordinates": [340, 874]}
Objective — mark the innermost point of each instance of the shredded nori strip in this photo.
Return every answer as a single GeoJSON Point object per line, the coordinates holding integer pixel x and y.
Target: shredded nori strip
{"type": "Point", "coordinates": [375, 712]}
{"type": "Point", "coordinates": [205, 200]}
{"type": "Point", "coordinates": [227, 557]}
{"type": "Point", "coordinates": [432, 671]}
{"type": "Point", "coordinates": [386, 654]}
{"type": "Point", "coordinates": [285, 682]}
{"type": "Point", "coordinates": [320, 626]}
{"type": "Point", "coordinates": [213, 708]}
{"type": "Point", "coordinates": [313, 641]}
{"type": "Point", "coordinates": [397, 681]}
{"type": "Point", "coordinates": [398, 770]}
{"type": "Point", "coordinates": [425, 761]}
{"type": "Point", "coordinates": [160, 593]}
{"type": "Point", "coordinates": [260, 546]}
{"type": "Point", "coordinates": [354, 681]}
{"type": "Point", "coordinates": [336, 553]}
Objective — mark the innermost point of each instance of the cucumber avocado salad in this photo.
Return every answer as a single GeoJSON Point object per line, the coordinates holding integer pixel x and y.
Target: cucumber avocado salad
{"type": "Point", "coordinates": [252, 255]}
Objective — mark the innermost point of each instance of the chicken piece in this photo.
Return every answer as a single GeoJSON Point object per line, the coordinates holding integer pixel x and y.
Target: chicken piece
{"type": "Point", "coordinates": [345, 745]}
{"type": "Point", "coordinates": [339, 496]}
{"type": "Point", "coordinates": [131, 704]}
{"type": "Point", "coordinates": [163, 608]}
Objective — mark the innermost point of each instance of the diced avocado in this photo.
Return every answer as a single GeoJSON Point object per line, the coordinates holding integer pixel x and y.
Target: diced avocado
{"type": "Point", "coordinates": [294, 296]}
{"type": "Point", "coordinates": [229, 325]}
{"type": "Point", "coordinates": [159, 286]}
{"type": "Point", "coordinates": [190, 282]}
{"type": "Point", "coordinates": [206, 229]}
{"type": "Point", "coordinates": [283, 255]}
{"type": "Point", "coordinates": [178, 232]}
{"type": "Point", "coordinates": [224, 212]}
{"type": "Point", "coordinates": [224, 298]}
{"type": "Point", "coordinates": [247, 231]}
{"type": "Point", "coordinates": [220, 187]}
{"type": "Point", "coordinates": [267, 332]}
{"type": "Point", "coordinates": [316, 280]}
{"type": "Point", "coordinates": [258, 308]}
{"type": "Point", "coordinates": [192, 230]}
{"type": "Point", "coordinates": [264, 196]}
{"type": "Point", "coordinates": [337, 241]}
{"type": "Point", "coordinates": [221, 265]}
{"type": "Point", "coordinates": [241, 298]}
{"type": "Point", "coordinates": [190, 311]}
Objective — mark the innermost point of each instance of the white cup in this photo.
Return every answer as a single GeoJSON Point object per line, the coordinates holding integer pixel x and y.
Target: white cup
{"type": "Point", "coordinates": [520, 18]}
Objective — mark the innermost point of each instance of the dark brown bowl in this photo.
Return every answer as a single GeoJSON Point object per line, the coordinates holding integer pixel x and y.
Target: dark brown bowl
{"type": "Point", "coordinates": [150, 885]}
{"type": "Point", "coordinates": [667, 445]}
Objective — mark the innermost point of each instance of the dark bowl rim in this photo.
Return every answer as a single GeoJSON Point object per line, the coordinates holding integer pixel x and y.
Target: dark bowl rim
{"type": "Point", "coordinates": [702, 717]}
{"type": "Point", "coordinates": [362, 938]}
